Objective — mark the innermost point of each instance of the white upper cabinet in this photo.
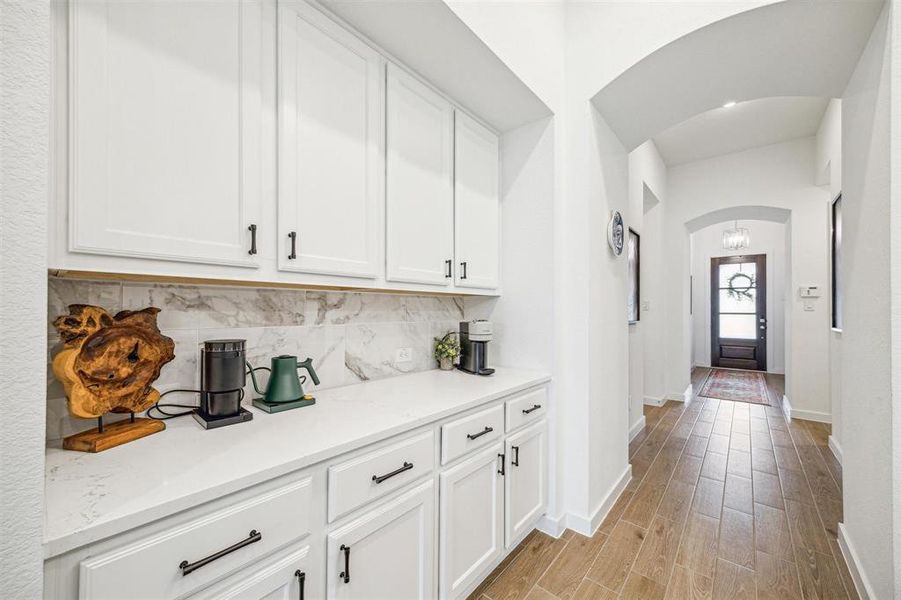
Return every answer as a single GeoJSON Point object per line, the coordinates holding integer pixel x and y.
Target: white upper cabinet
{"type": "Point", "coordinates": [165, 130]}
{"type": "Point", "coordinates": [476, 203]}
{"type": "Point", "coordinates": [420, 185]}
{"type": "Point", "coordinates": [331, 129]}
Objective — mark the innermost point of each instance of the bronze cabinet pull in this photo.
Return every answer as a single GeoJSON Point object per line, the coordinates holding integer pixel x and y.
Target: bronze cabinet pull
{"type": "Point", "coordinates": [253, 239]}
{"type": "Point", "coordinates": [345, 574]}
{"type": "Point", "coordinates": [472, 436]}
{"type": "Point", "coordinates": [535, 407]}
{"type": "Point", "coordinates": [301, 580]}
{"type": "Point", "coordinates": [189, 567]}
{"type": "Point", "coordinates": [380, 478]}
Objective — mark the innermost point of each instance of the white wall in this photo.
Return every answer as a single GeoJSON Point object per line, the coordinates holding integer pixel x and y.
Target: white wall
{"type": "Point", "coordinates": [529, 38]}
{"type": "Point", "coordinates": [24, 179]}
{"type": "Point", "coordinates": [866, 373]}
{"type": "Point", "coordinates": [590, 367]}
{"type": "Point", "coordinates": [647, 189]}
{"type": "Point", "coordinates": [781, 177]}
{"type": "Point", "coordinates": [523, 317]}
{"type": "Point", "coordinates": [829, 175]}
{"type": "Point", "coordinates": [766, 238]}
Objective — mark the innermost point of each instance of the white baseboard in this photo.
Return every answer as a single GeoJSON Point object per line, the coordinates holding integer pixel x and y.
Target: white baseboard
{"type": "Point", "coordinates": [637, 428]}
{"type": "Point", "coordinates": [683, 396]}
{"type": "Point", "coordinates": [587, 526]}
{"type": "Point", "coordinates": [553, 526]}
{"type": "Point", "coordinates": [836, 449]}
{"type": "Point", "coordinates": [786, 408]}
{"type": "Point", "coordinates": [652, 401]}
{"type": "Point", "coordinates": [861, 582]}
{"type": "Point", "coordinates": [807, 415]}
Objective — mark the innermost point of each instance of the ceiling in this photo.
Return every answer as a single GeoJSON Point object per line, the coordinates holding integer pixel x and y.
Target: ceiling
{"type": "Point", "coordinates": [424, 35]}
{"type": "Point", "coordinates": [745, 125]}
{"type": "Point", "coordinates": [791, 48]}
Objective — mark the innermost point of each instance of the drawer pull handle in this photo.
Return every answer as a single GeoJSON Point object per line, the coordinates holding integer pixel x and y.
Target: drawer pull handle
{"type": "Point", "coordinates": [515, 460]}
{"type": "Point", "coordinates": [447, 268]}
{"type": "Point", "coordinates": [463, 266]}
{"type": "Point", "coordinates": [345, 574]}
{"type": "Point", "coordinates": [472, 436]}
{"type": "Point", "coordinates": [253, 238]}
{"type": "Point", "coordinates": [380, 478]}
{"type": "Point", "coordinates": [535, 407]}
{"type": "Point", "coordinates": [301, 580]}
{"type": "Point", "coordinates": [293, 254]}
{"type": "Point", "coordinates": [502, 470]}
{"type": "Point", "coordinates": [189, 567]}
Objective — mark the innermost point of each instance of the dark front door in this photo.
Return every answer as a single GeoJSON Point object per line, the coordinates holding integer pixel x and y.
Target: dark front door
{"type": "Point", "coordinates": [738, 312]}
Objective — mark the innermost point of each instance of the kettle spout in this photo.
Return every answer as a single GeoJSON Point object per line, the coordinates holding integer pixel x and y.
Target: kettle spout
{"type": "Point", "coordinates": [253, 377]}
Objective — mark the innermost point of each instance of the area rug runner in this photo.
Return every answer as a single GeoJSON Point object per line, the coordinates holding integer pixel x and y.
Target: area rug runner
{"type": "Point", "coordinates": [739, 386]}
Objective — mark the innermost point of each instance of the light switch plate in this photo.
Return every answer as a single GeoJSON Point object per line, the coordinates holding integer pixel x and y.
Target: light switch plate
{"type": "Point", "coordinates": [403, 355]}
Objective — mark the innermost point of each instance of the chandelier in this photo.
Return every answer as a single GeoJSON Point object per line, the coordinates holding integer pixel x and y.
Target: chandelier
{"type": "Point", "coordinates": [736, 238]}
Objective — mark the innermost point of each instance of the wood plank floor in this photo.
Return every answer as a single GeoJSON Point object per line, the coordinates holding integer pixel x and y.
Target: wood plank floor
{"type": "Point", "coordinates": [727, 500]}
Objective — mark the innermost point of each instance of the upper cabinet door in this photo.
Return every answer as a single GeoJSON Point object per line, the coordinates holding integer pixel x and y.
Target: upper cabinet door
{"type": "Point", "coordinates": [477, 208]}
{"type": "Point", "coordinates": [331, 127]}
{"type": "Point", "coordinates": [420, 154]}
{"type": "Point", "coordinates": [164, 129]}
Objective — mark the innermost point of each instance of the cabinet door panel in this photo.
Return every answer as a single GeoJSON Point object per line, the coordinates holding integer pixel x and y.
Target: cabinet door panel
{"type": "Point", "coordinates": [391, 550]}
{"type": "Point", "coordinates": [331, 91]}
{"type": "Point", "coordinates": [526, 481]}
{"type": "Point", "coordinates": [165, 129]}
{"type": "Point", "coordinates": [420, 217]}
{"type": "Point", "coordinates": [476, 205]}
{"type": "Point", "coordinates": [472, 522]}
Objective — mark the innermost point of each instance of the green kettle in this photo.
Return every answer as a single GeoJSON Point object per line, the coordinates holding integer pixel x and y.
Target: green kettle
{"type": "Point", "coordinates": [284, 391]}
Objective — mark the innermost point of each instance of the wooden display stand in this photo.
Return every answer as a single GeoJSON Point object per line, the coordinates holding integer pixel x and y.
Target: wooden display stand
{"type": "Point", "coordinates": [112, 435]}
{"type": "Point", "coordinates": [107, 365]}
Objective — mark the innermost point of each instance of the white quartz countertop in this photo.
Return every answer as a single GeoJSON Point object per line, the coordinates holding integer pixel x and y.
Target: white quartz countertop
{"type": "Point", "coordinates": [90, 497]}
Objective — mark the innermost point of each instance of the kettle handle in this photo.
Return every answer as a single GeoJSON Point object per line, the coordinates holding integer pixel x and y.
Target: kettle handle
{"type": "Point", "coordinates": [253, 378]}
{"type": "Point", "coordinates": [308, 365]}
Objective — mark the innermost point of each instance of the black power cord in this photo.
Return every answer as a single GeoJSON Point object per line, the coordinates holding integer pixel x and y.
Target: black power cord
{"type": "Point", "coordinates": [163, 415]}
{"type": "Point", "coordinates": [193, 407]}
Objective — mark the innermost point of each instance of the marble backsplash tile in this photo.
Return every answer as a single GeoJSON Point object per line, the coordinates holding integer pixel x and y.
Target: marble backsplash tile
{"type": "Point", "coordinates": [351, 336]}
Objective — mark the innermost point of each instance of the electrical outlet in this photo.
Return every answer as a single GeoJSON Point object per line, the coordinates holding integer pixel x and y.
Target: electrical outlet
{"type": "Point", "coordinates": [403, 355]}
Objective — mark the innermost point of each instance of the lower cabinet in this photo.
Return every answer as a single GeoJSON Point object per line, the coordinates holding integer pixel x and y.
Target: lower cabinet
{"type": "Point", "coordinates": [525, 495]}
{"type": "Point", "coordinates": [290, 575]}
{"type": "Point", "coordinates": [388, 552]}
{"type": "Point", "coordinates": [472, 520]}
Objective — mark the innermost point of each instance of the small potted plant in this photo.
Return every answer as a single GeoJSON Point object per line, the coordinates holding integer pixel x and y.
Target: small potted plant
{"type": "Point", "coordinates": [447, 349]}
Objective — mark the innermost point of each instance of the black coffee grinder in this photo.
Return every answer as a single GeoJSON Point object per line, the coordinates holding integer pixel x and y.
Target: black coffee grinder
{"type": "Point", "coordinates": [222, 380]}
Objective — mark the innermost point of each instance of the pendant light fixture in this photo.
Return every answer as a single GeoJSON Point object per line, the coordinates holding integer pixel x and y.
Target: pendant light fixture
{"type": "Point", "coordinates": [736, 238]}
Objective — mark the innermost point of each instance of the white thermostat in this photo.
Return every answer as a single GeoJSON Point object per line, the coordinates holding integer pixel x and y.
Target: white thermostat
{"type": "Point", "coordinates": [810, 291]}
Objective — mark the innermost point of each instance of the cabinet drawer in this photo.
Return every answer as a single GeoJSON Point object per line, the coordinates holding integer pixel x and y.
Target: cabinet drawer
{"type": "Point", "coordinates": [374, 474]}
{"type": "Point", "coordinates": [468, 433]}
{"type": "Point", "coordinates": [160, 566]}
{"type": "Point", "coordinates": [526, 408]}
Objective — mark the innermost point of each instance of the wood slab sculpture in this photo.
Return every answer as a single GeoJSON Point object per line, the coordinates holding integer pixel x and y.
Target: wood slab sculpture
{"type": "Point", "coordinates": [108, 364]}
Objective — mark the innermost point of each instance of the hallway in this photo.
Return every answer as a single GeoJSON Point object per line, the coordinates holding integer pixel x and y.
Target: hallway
{"type": "Point", "coordinates": [727, 500]}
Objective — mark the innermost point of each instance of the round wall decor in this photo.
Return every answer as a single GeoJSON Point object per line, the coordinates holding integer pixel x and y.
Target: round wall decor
{"type": "Point", "coordinates": [616, 234]}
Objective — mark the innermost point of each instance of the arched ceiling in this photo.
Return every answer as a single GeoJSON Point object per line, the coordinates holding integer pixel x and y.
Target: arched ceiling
{"type": "Point", "coordinates": [739, 213]}
{"type": "Point", "coordinates": [791, 48]}
{"type": "Point", "coordinates": [746, 125]}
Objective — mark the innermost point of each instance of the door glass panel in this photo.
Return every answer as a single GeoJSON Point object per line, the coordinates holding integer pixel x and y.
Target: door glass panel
{"type": "Point", "coordinates": [738, 301]}
{"type": "Point", "coordinates": [743, 327]}
{"type": "Point", "coordinates": [728, 272]}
